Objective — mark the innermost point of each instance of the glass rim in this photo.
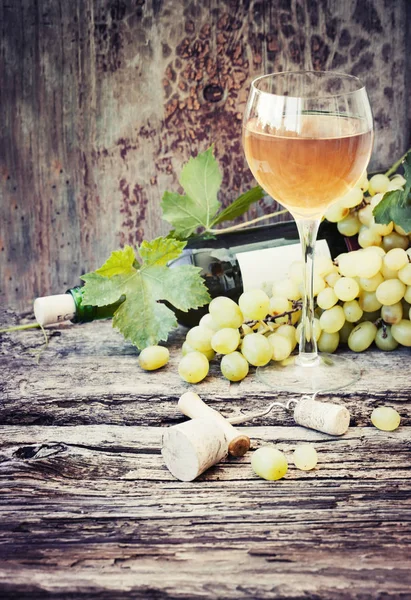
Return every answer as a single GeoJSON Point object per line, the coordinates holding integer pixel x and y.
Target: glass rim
{"type": "Point", "coordinates": [340, 74]}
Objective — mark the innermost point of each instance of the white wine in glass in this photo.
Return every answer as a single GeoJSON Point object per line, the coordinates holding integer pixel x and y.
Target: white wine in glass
{"type": "Point", "coordinates": [308, 138]}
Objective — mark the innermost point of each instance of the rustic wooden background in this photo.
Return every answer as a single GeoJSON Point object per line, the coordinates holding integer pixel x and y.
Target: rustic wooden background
{"type": "Point", "coordinates": [101, 101]}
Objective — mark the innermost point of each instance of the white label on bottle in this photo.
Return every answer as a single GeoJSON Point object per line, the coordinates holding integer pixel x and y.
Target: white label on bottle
{"type": "Point", "coordinates": [261, 268]}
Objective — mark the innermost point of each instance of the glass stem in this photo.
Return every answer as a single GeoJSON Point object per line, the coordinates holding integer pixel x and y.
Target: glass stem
{"type": "Point", "coordinates": [308, 229]}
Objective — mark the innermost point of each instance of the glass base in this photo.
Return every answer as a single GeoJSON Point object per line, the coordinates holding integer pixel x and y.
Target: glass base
{"type": "Point", "coordinates": [328, 373]}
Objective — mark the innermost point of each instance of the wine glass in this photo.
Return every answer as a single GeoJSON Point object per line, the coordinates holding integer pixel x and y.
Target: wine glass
{"type": "Point", "coordinates": [308, 138]}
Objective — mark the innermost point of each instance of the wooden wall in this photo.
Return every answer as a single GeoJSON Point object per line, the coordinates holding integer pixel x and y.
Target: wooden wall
{"type": "Point", "coordinates": [101, 101]}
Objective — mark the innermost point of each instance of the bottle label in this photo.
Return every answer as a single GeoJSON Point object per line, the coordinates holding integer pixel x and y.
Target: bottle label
{"type": "Point", "coordinates": [261, 268]}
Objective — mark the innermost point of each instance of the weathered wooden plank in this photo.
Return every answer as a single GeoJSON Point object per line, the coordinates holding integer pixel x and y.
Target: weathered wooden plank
{"type": "Point", "coordinates": [103, 100]}
{"type": "Point", "coordinates": [88, 374]}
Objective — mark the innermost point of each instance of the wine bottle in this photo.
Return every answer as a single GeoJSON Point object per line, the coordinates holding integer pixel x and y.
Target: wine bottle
{"type": "Point", "coordinates": [230, 263]}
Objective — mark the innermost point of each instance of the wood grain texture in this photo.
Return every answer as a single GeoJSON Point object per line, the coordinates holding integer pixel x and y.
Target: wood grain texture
{"type": "Point", "coordinates": [88, 509]}
{"type": "Point", "coordinates": [101, 102]}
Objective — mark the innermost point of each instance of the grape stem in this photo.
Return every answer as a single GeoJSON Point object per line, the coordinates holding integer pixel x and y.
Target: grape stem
{"type": "Point", "coordinates": [397, 164]}
{"type": "Point", "coordinates": [246, 223]}
{"type": "Point", "coordinates": [20, 327]}
{"type": "Point", "coordinates": [297, 305]}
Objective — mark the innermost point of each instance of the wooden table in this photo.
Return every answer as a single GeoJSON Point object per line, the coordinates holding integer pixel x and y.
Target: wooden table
{"type": "Point", "coordinates": [88, 509]}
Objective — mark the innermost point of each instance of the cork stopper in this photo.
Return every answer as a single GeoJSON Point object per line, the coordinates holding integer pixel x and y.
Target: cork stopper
{"type": "Point", "coordinates": [333, 419]}
{"type": "Point", "coordinates": [49, 310]}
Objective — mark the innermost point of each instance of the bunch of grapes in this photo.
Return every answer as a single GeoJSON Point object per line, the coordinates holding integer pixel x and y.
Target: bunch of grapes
{"type": "Point", "coordinates": [362, 297]}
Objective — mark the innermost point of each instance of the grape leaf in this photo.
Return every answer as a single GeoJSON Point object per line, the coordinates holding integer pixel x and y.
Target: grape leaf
{"type": "Point", "coordinates": [396, 205]}
{"type": "Point", "coordinates": [201, 179]}
{"type": "Point", "coordinates": [241, 205]}
{"type": "Point", "coordinates": [141, 318]}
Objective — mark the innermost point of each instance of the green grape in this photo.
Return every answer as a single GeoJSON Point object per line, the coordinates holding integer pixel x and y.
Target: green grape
{"type": "Point", "coordinates": [346, 289]}
{"type": "Point", "coordinates": [370, 284]}
{"type": "Point", "coordinates": [370, 316]}
{"type": "Point", "coordinates": [316, 329]}
{"type": "Point", "coordinates": [349, 226]}
{"type": "Point", "coordinates": [288, 331]}
{"type": "Point", "coordinates": [186, 348]}
{"type": "Point", "coordinates": [225, 312]}
{"type": "Point", "coordinates": [378, 184]}
{"type": "Point", "coordinates": [401, 332]}
{"type": "Point", "coordinates": [256, 349]}
{"type": "Point", "coordinates": [207, 321]}
{"type": "Point", "coordinates": [390, 292]}
{"type": "Point", "coordinates": [193, 367]}
{"type": "Point", "coordinates": [384, 340]}
{"type": "Point", "coordinates": [385, 418]}
{"type": "Point", "coordinates": [332, 319]}
{"type": "Point", "coordinates": [287, 288]}
{"type": "Point", "coordinates": [404, 274]}
{"type": "Point", "coordinates": [328, 342]}
{"type": "Point", "coordinates": [395, 259]}
{"type": "Point", "coordinates": [352, 198]}
{"type": "Point", "coordinates": [362, 336]}
{"type": "Point", "coordinates": [318, 284]}
{"type": "Point", "coordinates": [399, 229]}
{"type": "Point", "coordinates": [369, 264]}
{"type": "Point", "coordinates": [381, 229]}
{"type": "Point", "coordinates": [368, 301]}
{"type": "Point", "coordinates": [225, 340]}
{"type": "Point", "coordinates": [395, 240]}
{"type": "Point", "coordinates": [345, 331]}
{"type": "Point", "coordinates": [323, 265]}
{"type": "Point", "coordinates": [332, 278]}
{"type": "Point", "coordinates": [254, 304]}
{"type": "Point", "coordinates": [336, 212]}
{"type": "Point", "coordinates": [352, 311]}
{"type": "Point", "coordinates": [367, 237]}
{"type": "Point", "coordinates": [281, 346]}
{"type": "Point", "coordinates": [153, 357]}
{"type": "Point", "coordinates": [234, 366]}
{"type": "Point", "coordinates": [327, 298]}
{"type": "Point", "coordinates": [392, 314]}
{"type": "Point", "coordinates": [407, 295]}
{"type": "Point", "coordinates": [278, 306]}
{"type": "Point", "coordinates": [365, 215]}
{"type": "Point", "coordinates": [376, 249]}
{"type": "Point", "coordinates": [269, 463]}
{"type": "Point", "coordinates": [348, 263]}
{"type": "Point", "coordinates": [305, 457]}
{"type": "Point", "coordinates": [388, 273]}
{"type": "Point", "coordinates": [199, 338]}
{"type": "Point", "coordinates": [364, 183]}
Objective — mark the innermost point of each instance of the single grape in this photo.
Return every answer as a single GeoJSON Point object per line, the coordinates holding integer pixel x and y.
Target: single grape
{"type": "Point", "coordinates": [378, 184]}
{"type": "Point", "coordinates": [327, 298]}
{"type": "Point", "coordinates": [404, 274]}
{"type": "Point", "coordinates": [207, 321]}
{"type": "Point", "coordinates": [225, 340]}
{"type": "Point", "coordinates": [328, 342]}
{"type": "Point", "coordinates": [385, 418]}
{"type": "Point", "coordinates": [352, 198]}
{"type": "Point", "coordinates": [234, 366]}
{"type": "Point", "coordinates": [269, 463]}
{"type": "Point", "coordinates": [365, 215]}
{"type": "Point", "coordinates": [281, 346]}
{"type": "Point", "coordinates": [288, 331]}
{"type": "Point", "coordinates": [395, 240]}
{"type": "Point", "coordinates": [395, 259]}
{"type": "Point", "coordinates": [348, 263]}
{"type": "Point", "coordinates": [332, 278]}
{"type": "Point", "coordinates": [380, 229]}
{"type": "Point", "coordinates": [384, 340]}
{"type": "Point", "coordinates": [352, 311]}
{"type": "Point", "coordinates": [323, 265]}
{"type": "Point", "coordinates": [375, 200]}
{"type": "Point", "coordinates": [332, 319]}
{"type": "Point", "coordinates": [287, 288]}
{"type": "Point", "coordinates": [186, 348]}
{"type": "Point", "coordinates": [349, 226]}
{"type": "Point", "coordinates": [153, 357]}
{"type": "Point", "coordinates": [401, 332]}
{"type": "Point", "coordinates": [256, 349]}
{"type": "Point", "coordinates": [346, 289]}
{"type": "Point", "coordinates": [336, 212]}
{"type": "Point", "coordinates": [390, 292]}
{"type": "Point", "coordinates": [370, 284]}
{"type": "Point", "coordinates": [388, 273]}
{"type": "Point", "coordinates": [278, 306]}
{"type": "Point", "coordinates": [193, 367]}
{"type": "Point", "coordinates": [376, 249]}
{"type": "Point", "coordinates": [368, 301]}
{"type": "Point", "coordinates": [305, 457]}
{"type": "Point", "coordinates": [225, 312]}
{"type": "Point", "coordinates": [362, 336]}
{"type": "Point", "coordinates": [367, 237]}
{"type": "Point", "coordinates": [345, 331]}
{"type": "Point", "coordinates": [392, 314]}
{"type": "Point", "coordinates": [199, 338]}
{"type": "Point", "coordinates": [369, 264]}
{"type": "Point", "coordinates": [254, 304]}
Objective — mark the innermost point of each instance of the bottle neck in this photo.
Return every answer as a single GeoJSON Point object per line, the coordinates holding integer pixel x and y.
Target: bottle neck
{"type": "Point", "coordinates": [85, 312]}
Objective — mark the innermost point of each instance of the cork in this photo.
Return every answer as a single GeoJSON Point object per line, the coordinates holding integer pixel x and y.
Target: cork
{"type": "Point", "coordinates": [333, 419]}
{"type": "Point", "coordinates": [192, 447]}
{"type": "Point", "coordinates": [49, 310]}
